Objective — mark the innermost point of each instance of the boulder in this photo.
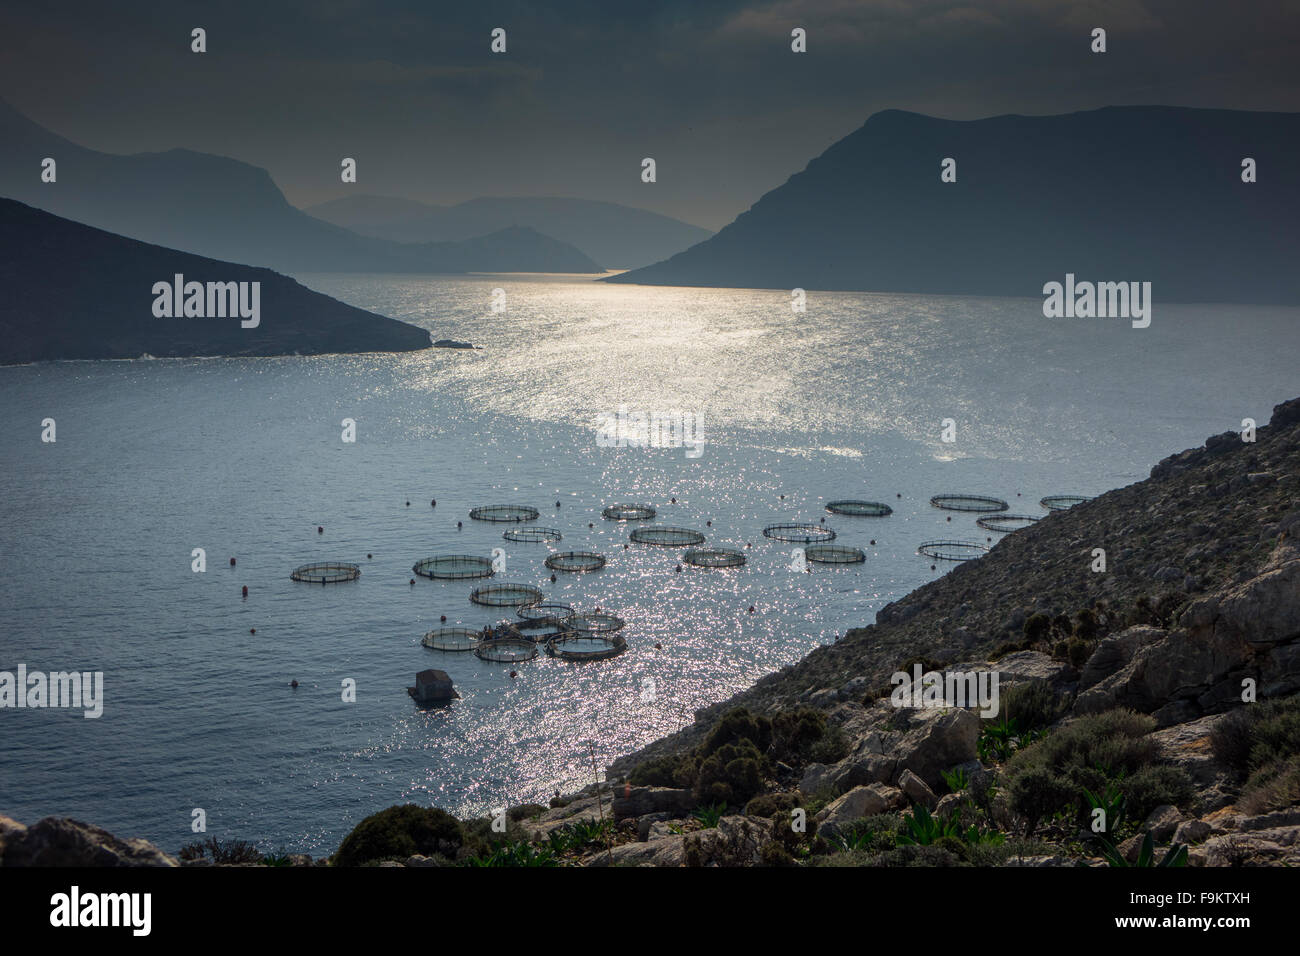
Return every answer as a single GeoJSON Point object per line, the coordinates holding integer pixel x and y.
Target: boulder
{"type": "Point", "coordinates": [664, 851]}
{"type": "Point", "coordinates": [858, 803]}
{"type": "Point", "coordinates": [939, 739]}
{"type": "Point", "coordinates": [59, 841]}
{"type": "Point", "coordinates": [638, 801]}
{"type": "Point", "coordinates": [1162, 822]}
{"type": "Point", "coordinates": [915, 789]}
{"type": "Point", "coordinates": [1114, 652]}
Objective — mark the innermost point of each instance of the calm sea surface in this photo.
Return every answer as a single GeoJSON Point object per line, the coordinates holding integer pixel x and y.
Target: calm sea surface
{"type": "Point", "coordinates": [244, 458]}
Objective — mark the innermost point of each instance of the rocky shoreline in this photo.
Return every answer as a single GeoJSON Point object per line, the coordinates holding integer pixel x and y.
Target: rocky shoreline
{"type": "Point", "coordinates": [1161, 692]}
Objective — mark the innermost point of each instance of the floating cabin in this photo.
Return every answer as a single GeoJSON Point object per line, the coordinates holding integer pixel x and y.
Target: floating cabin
{"type": "Point", "coordinates": [433, 687]}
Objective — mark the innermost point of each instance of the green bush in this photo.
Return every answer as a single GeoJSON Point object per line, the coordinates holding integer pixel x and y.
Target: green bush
{"type": "Point", "coordinates": [676, 770]}
{"type": "Point", "coordinates": [1037, 627]}
{"type": "Point", "coordinates": [732, 774]}
{"type": "Point", "coordinates": [1085, 624]}
{"type": "Point", "coordinates": [735, 727]}
{"type": "Point", "coordinates": [1033, 704]}
{"type": "Point", "coordinates": [401, 831]}
{"type": "Point", "coordinates": [772, 804]}
{"type": "Point", "coordinates": [795, 732]}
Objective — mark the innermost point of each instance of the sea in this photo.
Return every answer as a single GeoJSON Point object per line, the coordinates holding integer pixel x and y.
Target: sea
{"type": "Point", "coordinates": [888, 398]}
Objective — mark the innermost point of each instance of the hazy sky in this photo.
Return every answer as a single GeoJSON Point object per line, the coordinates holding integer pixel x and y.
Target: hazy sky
{"type": "Point", "coordinates": [586, 89]}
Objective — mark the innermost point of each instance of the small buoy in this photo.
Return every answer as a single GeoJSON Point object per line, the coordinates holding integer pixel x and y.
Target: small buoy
{"type": "Point", "coordinates": [751, 609]}
{"type": "Point", "coordinates": [408, 504]}
{"type": "Point", "coordinates": [932, 567]}
{"type": "Point", "coordinates": [597, 608]}
{"type": "Point", "coordinates": [590, 525]}
{"type": "Point", "coordinates": [514, 674]}
{"type": "Point", "coordinates": [433, 502]}
{"type": "Point", "coordinates": [625, 547]}
{"type": "Point", "coordinates": [232, 562]}
{"type": "Point", "coordinates": [783, 497]}
{"type": "Point", "coordinates": [898, 496]}
{"type": "Point", "coordinates": [370, 557]}
{"type": "Point", "coordinates": [557, 504]}
{"type": "Point", "coordinates": [552, 578]}
{"type": "Point", "coordinates": [949, 517]}
{"type": "Point", "coordinates": [988, 539]}
{"type": "Point", "coordinates": [659, 647]}
{"type": "Point", "coordinates": [873, 541]}
{"type": "Point", "coordinates": [674, 501]}
{"type": "Point", "coordinates": [678, 568]}
{"type": "Point", "coordinates": [443, 619]}
{"type": "Point", "coordinates": [293, 683]}
{"type": "Point", "coordinates": [252, 630]}
{"type": "Point", "coordinates": [245, 590]}
{"type": "Point", "coordinates": [320, 529]}
{"type": "Point", "coordinates": [1017, 494]}
{"type": "Point", "coordinates": [749, 544]}
{"type": "Point", "coordinates": [458, 525]}
{"type": "Point", "coordinates": [412, 582]}
{"type": "Point", "coordinates": [709, 523]}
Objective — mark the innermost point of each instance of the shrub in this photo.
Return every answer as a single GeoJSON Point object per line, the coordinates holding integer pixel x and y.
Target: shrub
{"type": "Point", "coordinates": [795, 733]}
{"type": "Point", "coordinates": [772, 804]}
{"type": "Point", "coordinates": [1033, 704]}
{"type": "Point", "coordinates": [1257, 735]}
{"type": "Point", "coordinates": [1273, 787]}
{"type": "Point", "coordinates": [1077, 651]}
{"type": "Point", "coordinates": [1085, 624]}
{"type": "Point", "coordinates": [732, 774]}
{"type": "Point", "coordinates": [224, 852]}
{"type": "Point", "coordinates": [401, 831]}
{"type": "Point", "coordinates": [735, 727]}
{"type": "Point", "coordinates": [676, 770]}
{"type": "Point", "coordinates": [1037, 627]}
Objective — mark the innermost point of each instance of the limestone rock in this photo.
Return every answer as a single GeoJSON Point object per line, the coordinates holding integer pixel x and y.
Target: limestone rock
{"type": "Point", "coordinates": [59, 841]}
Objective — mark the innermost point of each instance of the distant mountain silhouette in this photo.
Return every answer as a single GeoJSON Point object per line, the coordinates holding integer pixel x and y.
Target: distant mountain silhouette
{"type": "Point", "coordinates": [1117, 194]}
{"type": "Point", "coordinates": [70, 291]}
{"type": "Point", "coordinates": [621, 237]}
{"type": "Point", "coordinates": [220, 207]}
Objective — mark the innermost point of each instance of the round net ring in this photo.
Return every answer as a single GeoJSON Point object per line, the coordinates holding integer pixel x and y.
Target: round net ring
{"type": "Point", "coordinates": [1005, 523]}
{"type": "Point", "coordinates": [576, 561]}
{"type": "Point", "coordinates": [579, 646]}
{"type": "Point", "coordinates": [506, 595]}
{"type": "Point", "coordinates": [332, 572]}
{"type": "Point", "coordinates": [714, 557]}
{"type": "Point", "coordinates": [504, 513]}
{"type": "Point", "coordinates": [667, 536]}
{"type": "Point", "coordinates": [596, 623]}
{"type": "Point", "coordinates": [454, 567]}
{"type": "Point", "coordinates": [542, 629]}
{"type": "Point", "coordinates": [628, 512]}
{"type": "Point", "coordinates": [952, 550]}
{"type": "Point", "coordinates": [1063, 502]}
{"type": "Point", "coordinates": [451, 639]}
{"type": "Point", "coordinates": [968, 503]}
{"type": "Point", "coordinates": [859, 509]}
{"type": "Point", "coordinates": [507, 650]}
{"type": "Point", "coordinates": [559, 613]}
{"type": "Point", "coordinates": [532, 535]}
{"type": "Point", "coordinates": [834, 554]}
{"type": "Point", "coordinates": [799, 533]}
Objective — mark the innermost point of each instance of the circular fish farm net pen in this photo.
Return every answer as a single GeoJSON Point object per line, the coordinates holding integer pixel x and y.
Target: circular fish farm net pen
{"type": "Point", "coordinates": [666, 536]}
{"type": "Point", "coordinates": [968, 503]}
{"type": "Point", "coordinates": [577, 561]}
{"type": "Point", "coordinates": [859, 509]}
{"type": "Point", "coordinates": [596, 624]}
{"type": "Point", "coordinates": [952, 550]}
{"type": "Point", "coordinates": [560, 613]}
{"type": "Point", "coordinates": [1063, 502]}
{"type": "Point", "coordinates": [331, 573]}
{"type": "Point", "coordinates": [451, 639]}
{"type": "Point", "coordinates": [510, 650]}
{"type": "Point", "coordinates": [454, 567]}
{"type": "Point", "coordinates": [834, 554]}
{"type": "Point", "coordinates": [504, 513]}
{"type": "Point", "coordinates": [628, 513]}
{"type": "Point", "coordinates": [799, 533]}
{"type": "Point", "coordinates": [714, 557]}
{"type": "Point", "coordinates": [1005, 523]}
{"type": "Point", "coordinates": [532, 535]}
{"type": "Point", "coordinates": [541, 630]}
{"type": "Point", "coordinates": [585, 647]}
{"type": "Point", "coordinates": [505, 595]}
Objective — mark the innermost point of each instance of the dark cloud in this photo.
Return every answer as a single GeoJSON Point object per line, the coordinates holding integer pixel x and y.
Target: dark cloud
{"type": "Point", "coordinates": [711, 90]}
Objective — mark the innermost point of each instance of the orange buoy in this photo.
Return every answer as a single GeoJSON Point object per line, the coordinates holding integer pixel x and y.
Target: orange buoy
{"type": "Point", "coordinates": [245, 590]}
{"type": "Point", "coordinates": [252, 630]}
{"type": "Point", "coordinates": [232, 562]}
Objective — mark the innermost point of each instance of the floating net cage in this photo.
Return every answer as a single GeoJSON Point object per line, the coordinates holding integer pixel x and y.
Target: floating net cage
{"type": "Point", "coordinates": [596, 623]}
{"type": "Point", "coordinates": [951, 550]}
{"type": "Point", "coordinates": [532, 535]}
{"type": "Point", "coordinates": [834, 554]}
{"type": "Point", "coordinates": [585, 647]}
{"type": "Point", "coordinates": [799, 533]}
{"type": "Point", "coordinates": [714, 557]}
{"type": "Point", "coordinates": [666, 536]}
{"type": "Point", "coordinates": [968, 503]}
{"type": "Point", "coordinates": [454, 567]}
{"type": "Point", "coordinates": [577, 561]}
{"type": "Point", "coordinates": [1005, 523]}
{"type": "Point", "coordinates": [540, 630]}
{"type": "Point", "coordinates": [506, 595]}
{"type": "Point", "coordinates": [329, 573]}
{"type": "Point", "coordinates": [509, 650]}
{"type": "Point", "coordinates": [451, 639]}
{"type": "Point", "coordinates": [859, 509]}
{"type": "Point", "coordinates": [628, 512]}
{"type": "Point", "coordinates": [504, 513]}
{"type": "Point", "coordinates": [1063, 502]}
{"type": "Point", "coordinates": [560, 613]}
